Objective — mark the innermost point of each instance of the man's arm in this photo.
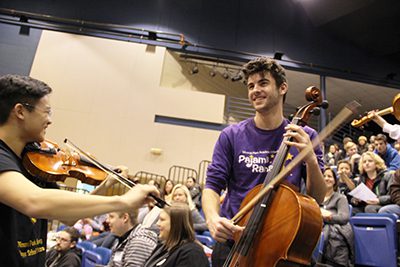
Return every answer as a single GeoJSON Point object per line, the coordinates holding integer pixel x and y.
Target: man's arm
{"type": "Point", "coordinates": [220, 228]}
{"type": "Point", "coordinates": [21, 194]}
{"type": "Point", "coordinates": [315, 182]}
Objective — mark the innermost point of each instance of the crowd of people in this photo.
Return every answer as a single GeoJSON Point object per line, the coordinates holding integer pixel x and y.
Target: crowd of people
{"type": "Point", "coordinates": [142, 234]}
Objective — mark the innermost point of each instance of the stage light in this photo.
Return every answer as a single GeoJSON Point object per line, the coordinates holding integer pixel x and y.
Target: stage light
{"type": "Point", "coordinates": [226, 75]}
{"type": "Point", "coordinates": [24, 30]}
{"type": "Point", "coordinates": [194, 70]}
{"type": "Point", "coordinates": [278, 55]}
{"type": "Point", "coordinates": [237, 77]}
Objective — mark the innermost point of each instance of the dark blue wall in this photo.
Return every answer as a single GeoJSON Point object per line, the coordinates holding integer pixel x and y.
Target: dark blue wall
{"type": "Point", "coordinates": [260, 27]}
{"type": "Point", "coordinates": [17, 51]}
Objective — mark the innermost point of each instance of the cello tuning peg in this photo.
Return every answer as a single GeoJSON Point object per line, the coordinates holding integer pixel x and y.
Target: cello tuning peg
{"type": "Point", "coordinates": [324, 104]}
{"type": "Point", "coordinates": [291, 116]}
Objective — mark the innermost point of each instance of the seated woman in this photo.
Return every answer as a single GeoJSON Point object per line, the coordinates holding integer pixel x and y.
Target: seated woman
{"type": "Point", "coordinates": [338, 235]}
{"type": "Point", "coordinates": [179, 247]}
{"type": "Point", "coordinates": [374, 175]}
{"type": "Point", "coordinates": [169, 185]}
{"type": "Point", "coordinates": [180, 193]}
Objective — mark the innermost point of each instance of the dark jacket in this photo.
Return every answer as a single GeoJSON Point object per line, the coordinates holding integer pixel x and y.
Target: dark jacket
{"type": "Point", "coordinates": [70, 258]}
{"type": "Point", "coordinates": [391, 158]}
{"type": "Point", "coordinates": [394, 190]}
{"type": "Point", "coordinates": [338, 235]}
{"type": "Point", "coordinates": [381, 186]}
{"type": "Point", "coordinates": [187, 255]}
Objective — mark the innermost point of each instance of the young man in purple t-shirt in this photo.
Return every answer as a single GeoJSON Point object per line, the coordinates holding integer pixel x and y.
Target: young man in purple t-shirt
{"type": "Point", "coordinates": [244, 153]}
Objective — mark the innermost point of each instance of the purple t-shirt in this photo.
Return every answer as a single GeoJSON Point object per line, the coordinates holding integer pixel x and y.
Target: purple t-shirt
{"type": "Point", "coordinates": [243, 156]}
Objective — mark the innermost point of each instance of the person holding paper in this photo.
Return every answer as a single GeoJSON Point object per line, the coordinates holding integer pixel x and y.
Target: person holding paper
{"type": "Point", "coordinates": [374, 174]}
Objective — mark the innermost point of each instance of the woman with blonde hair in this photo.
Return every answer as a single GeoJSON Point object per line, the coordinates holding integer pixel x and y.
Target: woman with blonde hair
{"type": "Point", "coordinates": [178, 247]}
{"type": "Point", "coordinates": [374, 174]}
{"type": "Point", "coordinates": [180, 193]}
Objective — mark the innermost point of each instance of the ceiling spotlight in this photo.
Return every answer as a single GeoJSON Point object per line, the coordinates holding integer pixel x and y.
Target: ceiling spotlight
{"type": "Point", "coordinates": [225, 75]}
{"type": "Point", "coordinates": [213, 72]}
{"type": "Point", "coordinates": [194, 70]}
{"type": "Point", "coordinates": [237, 77]}
{"type": "Point", "coordinates": [24, 30]}
{"type": "Point", "coordinates": [278, 55]}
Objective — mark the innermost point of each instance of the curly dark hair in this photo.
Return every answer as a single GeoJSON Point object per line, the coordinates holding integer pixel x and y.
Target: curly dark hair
{"type": "Point", "coordinates": [263, 65]}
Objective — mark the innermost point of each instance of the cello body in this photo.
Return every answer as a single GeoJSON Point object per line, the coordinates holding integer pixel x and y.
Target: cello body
{"type": "Point", "coordinates": [290, 231]}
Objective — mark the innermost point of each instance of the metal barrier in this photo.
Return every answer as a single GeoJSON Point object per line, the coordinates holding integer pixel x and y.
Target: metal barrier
{"type": "Point", "coordinates": [179, 174]}
{"type": "Point", "coordinates": [144, 177]}
{"type": "Point", "coordinates": [203, 165]}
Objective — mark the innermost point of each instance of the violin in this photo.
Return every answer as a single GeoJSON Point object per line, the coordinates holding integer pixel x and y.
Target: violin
{"type": "Point", "coordinates": [394, 109]}
{"type": "Point", "coordinates": [49, 161]}
{"type": "Point", "coordinates": [284, 226]}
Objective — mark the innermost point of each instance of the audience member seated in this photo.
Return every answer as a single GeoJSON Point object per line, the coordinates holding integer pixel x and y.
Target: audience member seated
{"type": "Point", "coordinates": [338, 235]}
{"type": "Point", "coordinates": [148, 217]}
{"type": "Point", "coordinates": [65, 253]}
{"type": "Point", "coordinates": [330, 158]}
{"type": "Point", "coordinates": [169, 185]}
{"type": "Point", "coordinates": [178, 246]}
{"type": "Point", "coordinates": [153, 182]}
{"type": "Point", "coordinates": [374, 175]}
{"type": "Point", "coordinates": [135, 243]}
{"type": "Point", "coordinates": [394, 192]}
{"type": "Point", "coordinates": [195, 191]}
{"type": "Point", "coordinates": [345, 183]}
{"type": "Point", "coordinates": [371, 147]}
{"type": "Point", "coordinates": [387, 152]}
{"type": "Point", "coordinates": [352, 156]}
{"type": "Point", "coordinates": [180, 193]}
{"type": "Point", "coordinates": [362, 144]}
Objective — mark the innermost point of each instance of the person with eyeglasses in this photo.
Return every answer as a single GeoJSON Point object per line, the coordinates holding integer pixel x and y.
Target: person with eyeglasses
{"type": "Point", "coordinates": [65, 253]}
{"type": "Point", "coordinates": [26, 201]}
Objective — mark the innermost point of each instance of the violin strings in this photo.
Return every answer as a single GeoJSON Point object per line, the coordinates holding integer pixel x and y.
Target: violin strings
{"type": "Point", "coordinates": [118, 177]}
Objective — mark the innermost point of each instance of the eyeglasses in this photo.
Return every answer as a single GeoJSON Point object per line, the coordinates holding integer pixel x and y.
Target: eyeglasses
{"type": "Point", "coordinates": [62, 239]}
{"type": "Point", "coordinates": [48, 111]}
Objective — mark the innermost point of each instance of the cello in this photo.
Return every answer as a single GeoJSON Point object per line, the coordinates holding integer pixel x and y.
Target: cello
{"type": "Point", "coordinates": [284, 226]}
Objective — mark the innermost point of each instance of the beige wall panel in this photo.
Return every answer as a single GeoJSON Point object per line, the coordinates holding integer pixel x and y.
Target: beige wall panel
{"type": "Point", "coordinates": [106, 94]}
{"type": "Point", "coordinates": [191, 105]}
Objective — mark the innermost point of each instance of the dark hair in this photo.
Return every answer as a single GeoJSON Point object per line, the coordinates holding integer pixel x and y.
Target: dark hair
{"type": "Point", "coordinates": [73, 233]}
{"type": "Point", "coordinates": [344, 161]}
{"type": "Point", "coordinates": [191, 177]}
{"type": "Point", "coordinates": [181, 221]}
{"type": "Point", "coordinates": [19, 89]}
{"type": "Point", "coordinates": [335, 185]}
{"type": "Point", "coordinates": [263, 65]}
{"type": "Point", "coordinates": [381, 137]}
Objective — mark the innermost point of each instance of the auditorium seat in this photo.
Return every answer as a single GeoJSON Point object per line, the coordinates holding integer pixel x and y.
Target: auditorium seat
{"type": "Point", "coordinates": [375, 239]}
{"type": "Point", "coordinates": [91, 259]}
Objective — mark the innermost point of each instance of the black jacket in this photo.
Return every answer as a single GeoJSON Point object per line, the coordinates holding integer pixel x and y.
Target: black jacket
{"type": "Point", "coordinates": [187, 255]}
{"type": "Point", "coordinates": [70, 258]}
